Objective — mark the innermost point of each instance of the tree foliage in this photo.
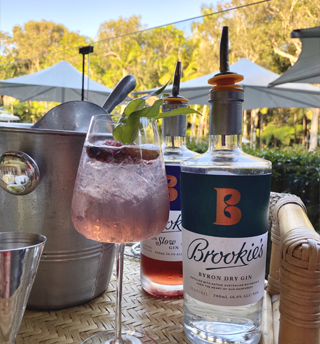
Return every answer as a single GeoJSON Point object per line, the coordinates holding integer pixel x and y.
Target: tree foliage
{"type": "Point", "coordinates": [260, 32]}
{"type": "Point", "coordinates": [36, 45]}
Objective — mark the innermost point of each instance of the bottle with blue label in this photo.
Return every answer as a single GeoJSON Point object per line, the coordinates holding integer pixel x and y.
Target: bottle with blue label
{"type": "Point", "coordinates": [224, 200]}
{"type": "Point", "coordinates": [161, 257]}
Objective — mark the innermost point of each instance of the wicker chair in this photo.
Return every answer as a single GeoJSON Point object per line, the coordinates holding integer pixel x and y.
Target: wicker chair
{"type": "Point", "coordinates": [292, 299]}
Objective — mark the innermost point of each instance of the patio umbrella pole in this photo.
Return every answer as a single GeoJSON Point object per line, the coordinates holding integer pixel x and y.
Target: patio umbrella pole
{"type": "Point", "coordinates": [82, 89]}
{"type": "Point", "coordinates": [84, 51]}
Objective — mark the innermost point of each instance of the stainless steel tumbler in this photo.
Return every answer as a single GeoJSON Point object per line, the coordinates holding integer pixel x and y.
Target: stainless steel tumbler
{"type": "Point", "coordinates": [19, 259]}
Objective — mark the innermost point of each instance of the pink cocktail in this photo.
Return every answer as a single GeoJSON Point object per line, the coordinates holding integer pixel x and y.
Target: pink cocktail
{"type": "Point", "coordinates": [120, 196]}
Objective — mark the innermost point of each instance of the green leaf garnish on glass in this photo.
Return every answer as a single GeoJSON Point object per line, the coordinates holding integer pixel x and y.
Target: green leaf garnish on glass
{"type": "Point", "coordinates": [126, 130]}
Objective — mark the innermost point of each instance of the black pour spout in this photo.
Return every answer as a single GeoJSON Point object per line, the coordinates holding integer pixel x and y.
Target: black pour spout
{"type": "Point", "coordinates": [226, 97]}
{"type": "Point", "coordinates": [176, 81]}
{"type": "Point", "coordinates": [224, 52]}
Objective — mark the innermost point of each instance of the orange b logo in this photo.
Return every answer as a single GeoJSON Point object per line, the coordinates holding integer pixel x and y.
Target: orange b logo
{"type": "Point", "coordinates": [172, 182]}
{"type": "Point", "coordinates": [227, 214]}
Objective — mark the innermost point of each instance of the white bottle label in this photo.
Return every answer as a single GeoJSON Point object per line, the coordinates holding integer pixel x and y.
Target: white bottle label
{"type": "Point", "coordinates": [166, 246]}
{"type": "Point", "coordinates": [224, 271]}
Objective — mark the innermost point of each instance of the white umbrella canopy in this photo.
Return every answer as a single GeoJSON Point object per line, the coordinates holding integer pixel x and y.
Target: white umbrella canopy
{"type": "Point", "coordinates": [8, 118]}
{"type": "Point", "coordinates": [257, 94]}
{"type": "Point", "coordinates": [59, 83]}
{"type": "Point", "coordinates": [307, 68]}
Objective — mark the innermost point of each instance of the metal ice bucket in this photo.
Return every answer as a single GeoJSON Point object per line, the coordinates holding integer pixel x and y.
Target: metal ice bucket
{"type": "Point", "coordinates": [73, 269]}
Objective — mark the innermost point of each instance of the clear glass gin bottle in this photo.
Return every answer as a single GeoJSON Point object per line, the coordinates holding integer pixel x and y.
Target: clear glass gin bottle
{"type": "Point", "coordinates": [161, 257]}
{"type": "Point", "coordinates": [224, 198]}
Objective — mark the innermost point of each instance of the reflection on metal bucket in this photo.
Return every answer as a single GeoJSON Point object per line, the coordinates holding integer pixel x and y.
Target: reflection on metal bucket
{"type": "Point", "coordinates": [73, 269]}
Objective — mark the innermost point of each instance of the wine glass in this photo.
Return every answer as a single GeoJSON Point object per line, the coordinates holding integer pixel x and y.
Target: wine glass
{"type": "Point", "coordinates": [120, 196]}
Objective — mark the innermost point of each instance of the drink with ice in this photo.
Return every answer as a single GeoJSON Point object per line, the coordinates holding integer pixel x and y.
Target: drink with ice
{"type": "Point", "coordinates": [120, 193]}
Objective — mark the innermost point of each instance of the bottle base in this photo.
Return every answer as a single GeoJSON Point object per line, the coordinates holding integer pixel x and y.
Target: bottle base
{"type": "Point", "coordinates": [162, 290]}
{"type": "Point", "coordinates": [217, 333]}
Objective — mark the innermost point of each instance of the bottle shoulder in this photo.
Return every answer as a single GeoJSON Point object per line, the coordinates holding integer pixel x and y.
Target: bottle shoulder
{"type": "Point", "coordinates": [177, 154]}
{"type": "Point", "coordinates": [225, 161]}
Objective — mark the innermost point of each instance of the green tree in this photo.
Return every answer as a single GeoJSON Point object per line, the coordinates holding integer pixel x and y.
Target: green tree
{"type": "Point", "coordinates": [285, 127]}
{"type": "Point", "coordinates": [285, 16]}
{"type": "Point", "coordinates": [260, 33]}
{"type": "Point", "coordinates": [149, 55]}
{"type": "Point", "coordinates": [164, 47]}
{"type": "Point", "coordinates": [115, 57]}
{"type": "Point", "coordinates": [33, 40]}
{"type": "Point", "coordinates": [7, 70]}
{"type": "Point", "coordinates": [36, 44]}
{"type": "Point", "coordinates": [68, 50]}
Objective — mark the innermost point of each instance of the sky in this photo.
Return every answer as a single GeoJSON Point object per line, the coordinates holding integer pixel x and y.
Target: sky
{"type": "Point", "coordinates": [86, 16]}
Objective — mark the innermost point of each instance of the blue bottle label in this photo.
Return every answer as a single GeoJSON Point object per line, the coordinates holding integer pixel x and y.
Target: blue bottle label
{"type": "Point", "coordinates": [167, 246]}
{"type": "Point", "coordinates": [173, 178]}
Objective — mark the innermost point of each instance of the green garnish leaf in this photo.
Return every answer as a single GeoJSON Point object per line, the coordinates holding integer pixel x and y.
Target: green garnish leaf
{"type": "Point", "coordinates": [150, 111]}
{"type": "Point", "coordinates": [176, 112]}
{"type": "Point", "coordinates": [126, 130]}
{"type": "Point", "coordinates": [156, 92]}
{"type": "Point", "coordinates": [139, 103]}
{"type": "Point", "coordinates": [133, 105]}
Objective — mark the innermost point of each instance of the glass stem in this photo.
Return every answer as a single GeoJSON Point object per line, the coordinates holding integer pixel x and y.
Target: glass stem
{"type": "Point", "coordinates": [120, 258]}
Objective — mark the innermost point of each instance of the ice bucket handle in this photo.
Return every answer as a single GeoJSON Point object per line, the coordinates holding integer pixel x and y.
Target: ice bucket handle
{"type": "Point", "coordinates": [19, 173]}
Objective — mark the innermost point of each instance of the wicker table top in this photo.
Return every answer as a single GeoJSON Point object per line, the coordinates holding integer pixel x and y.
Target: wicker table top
{"type": "Point", "coordinates": [160, 319]}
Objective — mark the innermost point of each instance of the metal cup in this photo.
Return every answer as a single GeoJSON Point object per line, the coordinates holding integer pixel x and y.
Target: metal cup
{"type": "Point", "coordinates": [19, 259]}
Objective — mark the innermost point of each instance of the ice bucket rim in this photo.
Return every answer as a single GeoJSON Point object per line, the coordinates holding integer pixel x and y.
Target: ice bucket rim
{"type": "Point", "coordinates": [12, 128]}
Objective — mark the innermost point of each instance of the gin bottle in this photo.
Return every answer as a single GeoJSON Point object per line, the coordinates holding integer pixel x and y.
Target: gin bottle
{"type": "Point", "coordinates": [161, 257]}
{"type": "Point", "coordinates": [224, 199]}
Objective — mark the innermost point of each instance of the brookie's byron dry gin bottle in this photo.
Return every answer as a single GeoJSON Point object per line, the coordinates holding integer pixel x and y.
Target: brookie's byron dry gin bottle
{"type": "Point", "coordinates": [161, 257]}
{"type": "Point", "coordinates": [224, 198]}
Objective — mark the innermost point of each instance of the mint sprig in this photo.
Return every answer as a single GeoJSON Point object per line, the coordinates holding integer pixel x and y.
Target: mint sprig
{"type": "Point", "coordinates": [126, 130]}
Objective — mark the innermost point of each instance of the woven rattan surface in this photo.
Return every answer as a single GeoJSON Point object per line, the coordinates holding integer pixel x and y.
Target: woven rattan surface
{"type": "Point", "coordinates": [161, 319]}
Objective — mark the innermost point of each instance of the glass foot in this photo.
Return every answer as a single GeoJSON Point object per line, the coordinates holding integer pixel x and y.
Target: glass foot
{"type": "Point", "coordinates": [128, 337]}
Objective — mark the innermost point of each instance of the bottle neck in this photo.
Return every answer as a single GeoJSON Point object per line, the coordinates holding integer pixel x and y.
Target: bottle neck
{"type": "Point", "coordinates": [225, 142]}
{"type": "Point", "coordinates": [175, 126]}
{"type": "Point", "coordinates": [173, 142]}
{"type": "Point", "coordinates": [225, 120]}
{"type": "Point", "coordinates": [225, 114]}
